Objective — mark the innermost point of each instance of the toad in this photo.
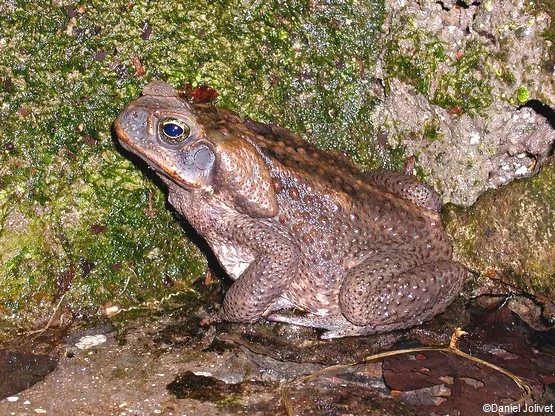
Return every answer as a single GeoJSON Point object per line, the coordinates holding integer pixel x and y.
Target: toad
{"type": "Point", "coordinates": [294, 226]}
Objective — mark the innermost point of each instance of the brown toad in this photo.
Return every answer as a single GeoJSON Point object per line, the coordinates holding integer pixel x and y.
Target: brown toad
{"type": "Point", "coordinates": [295, 226]}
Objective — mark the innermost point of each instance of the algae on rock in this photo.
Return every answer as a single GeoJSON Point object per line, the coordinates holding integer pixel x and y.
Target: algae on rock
{"type": "Point", "coordinates": [77, 219]}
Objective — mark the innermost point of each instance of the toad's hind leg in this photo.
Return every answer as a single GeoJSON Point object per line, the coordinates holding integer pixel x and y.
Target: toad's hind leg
{"type": "Point", "coordinates": [381, 296]}
{"type": "Point", "coordinates": [405, 186]}
{"type": "Point", "coordinates": [373, 296]}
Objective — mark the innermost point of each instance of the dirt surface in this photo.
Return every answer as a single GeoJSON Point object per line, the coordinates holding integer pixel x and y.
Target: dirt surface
{"type": "Point", "coordinates": [171, 362]}
{"type": "Point", "coordinates": [150, 368]}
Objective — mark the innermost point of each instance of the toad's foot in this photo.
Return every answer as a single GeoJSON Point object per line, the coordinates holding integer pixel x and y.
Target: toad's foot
{"type": "Point", "coordinates": [337, 326]}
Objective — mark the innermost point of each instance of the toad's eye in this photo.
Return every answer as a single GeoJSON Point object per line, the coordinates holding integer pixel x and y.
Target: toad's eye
{"type": "Point", "coordinates": [175, 131]}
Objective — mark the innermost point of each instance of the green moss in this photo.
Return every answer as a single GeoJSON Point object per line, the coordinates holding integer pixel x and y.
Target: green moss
{"type": "Point", "coordinates": [77, 218]}
{"type": "Point", "coordinates": [432, 129]}
{"type": "Point", "coordinates": [393, 157]}
{"type": "Point", "coordinates": [506, 76]}
{"type": "Point", "coordinates": [549, 33]}
{"type": "Point", "coordinates": [522, 94]}
{"type": "Point", "coordinates": [413, 59]}
{"type": "Point", "coordinates": [509, 232]}
{"type": "Point", "coordinates": [462, 81]}
{"type": "Point", "coordinates": [465, 86]}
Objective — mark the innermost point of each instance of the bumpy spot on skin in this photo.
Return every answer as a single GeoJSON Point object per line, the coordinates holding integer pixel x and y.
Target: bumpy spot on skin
{"type": "Point", "coordinates": [277, 185]}
{"type": "Point", "coordinates": [307, 238]}
{"type": "Point", "coordinates": [294, 193]}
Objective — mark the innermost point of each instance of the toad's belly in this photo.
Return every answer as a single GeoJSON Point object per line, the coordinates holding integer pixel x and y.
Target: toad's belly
{"type": "Point", "coordinates": [234, 259]}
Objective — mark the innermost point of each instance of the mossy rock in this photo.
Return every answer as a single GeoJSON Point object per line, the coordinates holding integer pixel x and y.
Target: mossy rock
{"type": "Point", "coordinates": [510, 233]}
{"type": "Point", "coordinates": [78, 222]}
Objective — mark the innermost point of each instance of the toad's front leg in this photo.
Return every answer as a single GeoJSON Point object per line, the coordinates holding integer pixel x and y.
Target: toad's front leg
{"type": "Point", "coordinates": [275, 264]}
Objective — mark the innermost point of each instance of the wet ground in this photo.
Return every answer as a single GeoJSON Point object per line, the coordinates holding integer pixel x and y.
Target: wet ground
{"type": "Point", "coordinates": [172, 361]}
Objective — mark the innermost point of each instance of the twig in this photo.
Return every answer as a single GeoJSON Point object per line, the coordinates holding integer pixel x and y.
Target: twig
{"type": "Point", "coordinates": [40, 331]}
{"type": "Point", "coordinates": [451, 349]}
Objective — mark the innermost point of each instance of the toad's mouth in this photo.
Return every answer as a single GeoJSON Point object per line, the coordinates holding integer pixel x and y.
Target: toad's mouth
{"type": "Point", "coordinates": [151, 164]}
{"type": "Point", "coordinates": [166, 163]}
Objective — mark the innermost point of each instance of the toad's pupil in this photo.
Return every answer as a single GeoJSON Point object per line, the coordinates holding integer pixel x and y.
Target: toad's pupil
{"type": "Point", "coordinates": [173, 130]}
